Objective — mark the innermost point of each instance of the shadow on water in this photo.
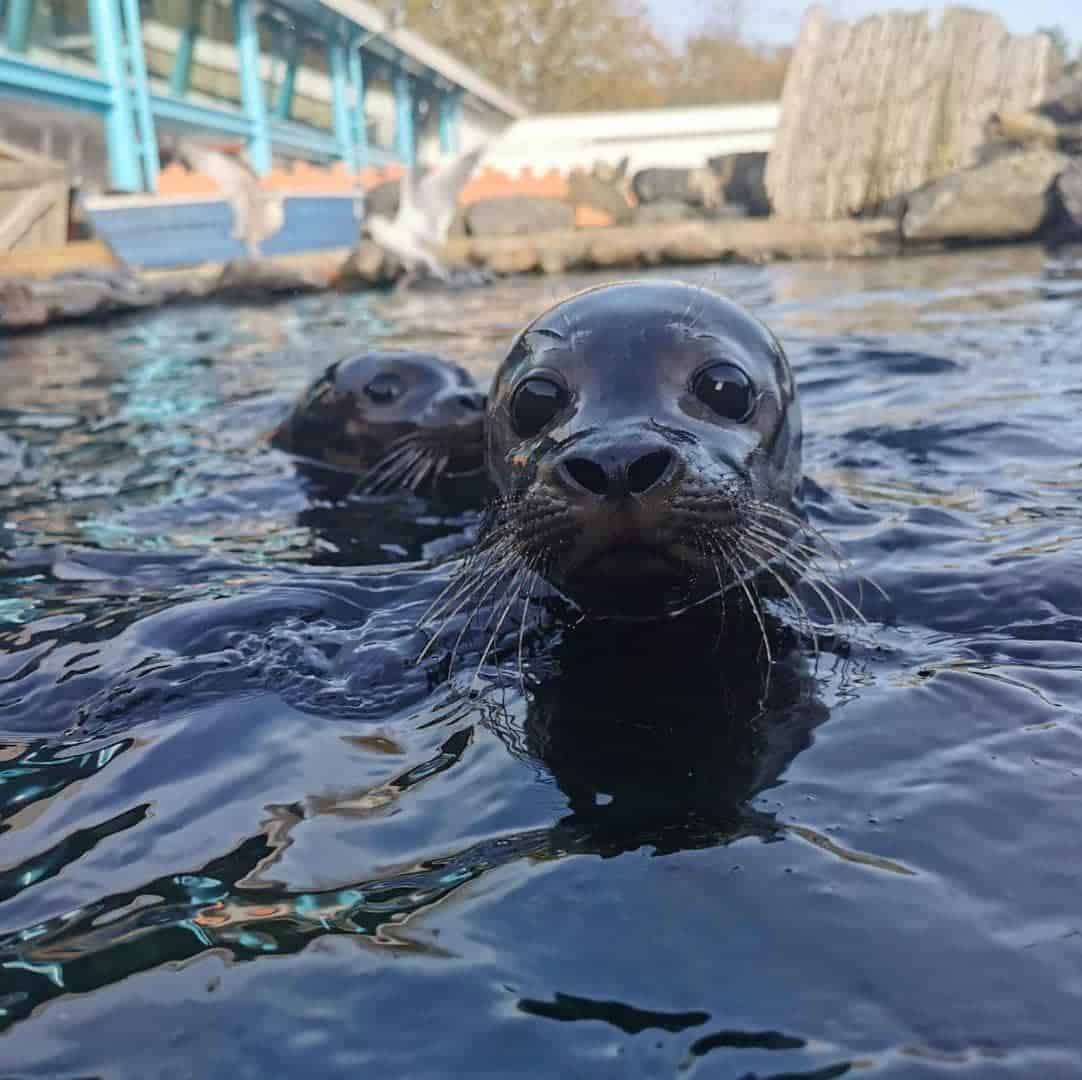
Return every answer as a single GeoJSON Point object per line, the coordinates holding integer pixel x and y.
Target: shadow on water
{"type": "Point", "coordinates": [657, 741]}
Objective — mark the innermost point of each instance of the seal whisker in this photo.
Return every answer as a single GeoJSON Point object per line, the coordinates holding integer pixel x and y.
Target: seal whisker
{"type": "Point", "coordinates": [389, 466]}
{"type": "Point", "coordinates": [477, 607]}
{"type": "Point", "coordinates": [523, 622]}
{"type": "Point", "coordinates": [491, 574]}
{"type": "Point", "coordinates": [465, 593]}
{"type": "Point", "coordinates": [472, 568]}
{"type": "Point", "coordinates": [515, 587]}
{"type": "Point", "coordinates": [799, 604]}
{"type": "Point", "coordinates": [742, 580]}
{"type": "Point", "coordinates": [817, 585]}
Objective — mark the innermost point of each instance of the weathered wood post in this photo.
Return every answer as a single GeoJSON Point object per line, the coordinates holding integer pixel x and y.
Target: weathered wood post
{"type": "Point", "coordinates": [876, 108]}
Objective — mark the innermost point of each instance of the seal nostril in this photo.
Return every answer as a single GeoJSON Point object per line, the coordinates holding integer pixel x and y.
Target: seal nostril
{"type": "Point", "coordinates": [587, 474]}
{"type": "Point", "coordinates": [644, 473]}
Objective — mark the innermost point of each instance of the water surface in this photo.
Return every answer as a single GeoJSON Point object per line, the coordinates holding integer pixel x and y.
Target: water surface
{"type": "Point", "coordinates": [245, 834]}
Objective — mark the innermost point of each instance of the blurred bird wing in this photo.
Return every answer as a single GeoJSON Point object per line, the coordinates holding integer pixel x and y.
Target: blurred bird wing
{"type": "Point", "coordinates": [232, 174]}
{"type": "Point", "coordinates": [435, 197]}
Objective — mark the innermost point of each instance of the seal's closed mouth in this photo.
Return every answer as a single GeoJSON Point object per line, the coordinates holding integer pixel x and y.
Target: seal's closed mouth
{"type": "Point", "coordinates": [634, 560]}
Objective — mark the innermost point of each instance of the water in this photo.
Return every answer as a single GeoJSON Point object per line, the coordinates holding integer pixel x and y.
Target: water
{"type": "Point", "coordinates": [245, 835]}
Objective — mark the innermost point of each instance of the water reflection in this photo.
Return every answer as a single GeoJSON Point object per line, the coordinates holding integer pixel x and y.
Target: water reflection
{"type": "Point", "coordinates": [655, 739]}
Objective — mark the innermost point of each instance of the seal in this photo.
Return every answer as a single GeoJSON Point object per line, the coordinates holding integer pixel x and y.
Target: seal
{"type": "Point", "coordinates": [645, 441]}
{"type": "Point", "coordinates": [386, 421]}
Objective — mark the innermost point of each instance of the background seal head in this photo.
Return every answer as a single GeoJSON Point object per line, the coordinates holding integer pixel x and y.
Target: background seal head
{"type": "Point", "coordinates": [389, 420]}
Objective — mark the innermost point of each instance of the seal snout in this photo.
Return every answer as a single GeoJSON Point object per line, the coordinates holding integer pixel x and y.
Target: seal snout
{"type": "Point", "coordinates": [629, 468]}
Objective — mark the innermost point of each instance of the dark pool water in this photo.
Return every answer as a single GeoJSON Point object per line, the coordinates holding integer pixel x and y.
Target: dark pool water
{"type": "Point", "coordinates": [245, 835]}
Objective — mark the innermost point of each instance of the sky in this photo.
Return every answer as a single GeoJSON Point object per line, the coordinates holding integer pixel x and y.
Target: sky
{"type": "Point", "coordinates": [776, 22]}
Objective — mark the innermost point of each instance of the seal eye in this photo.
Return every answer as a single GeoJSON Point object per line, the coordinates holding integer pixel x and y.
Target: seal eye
{"type": "Point", "coordinates": [726, 390]}
{"type": "Point", "coordinates": [384, 388]}
{"type": "Point", "coordinates": [535, 403]}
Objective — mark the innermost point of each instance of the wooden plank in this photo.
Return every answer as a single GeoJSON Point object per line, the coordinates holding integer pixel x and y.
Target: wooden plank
{"type": "Point", "coordinates": [45, 262]}
{"type": "Point", "coordinates": [875, 109]}
{"type": "Point", "coordinates": [17, 224]}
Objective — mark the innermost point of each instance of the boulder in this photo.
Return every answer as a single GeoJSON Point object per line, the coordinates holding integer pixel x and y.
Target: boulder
{"type": "Point", "coordinates": [74, 294]}
{"type": "Point", "coordinates": [743, 181]}
{"type": "Point", "coordinates": [585, 189]}
{"type": "Point", "coordinates": [1069, 191]}
{"type": "Point", "coordinates": [1065, 226]}
{"type": "Point", "coordinates": [368, 264]}
{"type": "Point", "coordinates": [521, 258]}
{"type": "Point", "coordinates": [20, 307]}
{"type": "Point", "coordinates": [254, 281]}
{"type": "Point", "coordinates": [515, 215]}
{"type": "Point", "coordinates": [696, 187]}
{"type": "Point", "coordinates": [1063, 105]}
{"type": "Point", "coordinates": [1006, 199]}
{"type": "Point", "coordinates": [666, 212]}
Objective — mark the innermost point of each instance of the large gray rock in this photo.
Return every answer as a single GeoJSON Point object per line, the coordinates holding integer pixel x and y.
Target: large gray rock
{"type": "Point", "coordinates": [585, 189]}
{"type": "Point", "coordinates": [743, 181]}
{"type": "Point", "coordinates": [1064, 102]}
{"type": "Point", "coordinates": [696, 187]}
{"type": "Point", "coordinates": [1066, 226]}
{"type": "Point", "coordinates": [516, 215]}
{"type": "Point", "coordinates": [1006, 199]}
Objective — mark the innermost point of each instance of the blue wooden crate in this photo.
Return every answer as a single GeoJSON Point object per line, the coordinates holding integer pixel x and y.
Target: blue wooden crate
{"type": "Point", "coordinates": [174, 231]}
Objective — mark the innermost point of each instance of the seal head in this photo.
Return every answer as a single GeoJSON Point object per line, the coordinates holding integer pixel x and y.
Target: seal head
{"type": "Point", "coordinates": [645, 439]}
{"type": "Point", "coordinates": [395, 420]}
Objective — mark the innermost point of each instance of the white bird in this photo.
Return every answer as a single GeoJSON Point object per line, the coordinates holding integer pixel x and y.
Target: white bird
{"type": "Point", "coordinates": [257, 214]}
{"type": "Point", "coordinates": [426, 209]}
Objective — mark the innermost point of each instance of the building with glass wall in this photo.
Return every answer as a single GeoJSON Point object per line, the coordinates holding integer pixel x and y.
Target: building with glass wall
{"type": "Point", "coordinates": [104, 84]}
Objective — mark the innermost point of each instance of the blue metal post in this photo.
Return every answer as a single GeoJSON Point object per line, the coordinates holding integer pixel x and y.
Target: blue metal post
{"type": "Point", "coordinates": [405, 144]}
{"type": "Point", "coordinates": [343, 127]}
{"type": "Point", "coordinates": [119, 119]}
{"type": "Point", "coordinates": [251, 85]}
{"type": "Point", "coordinates": [450, 120]}
{"type": "Point", "coordinates": [358, 122]}
{"type": "Point", "coordinates": [283, 104]}
{"type": "Point", "coordinates": [18, 24]}
{"type": "Point", "coordinates": [182, 62]}
{"type": "Point", "coordinates": [148, 142]}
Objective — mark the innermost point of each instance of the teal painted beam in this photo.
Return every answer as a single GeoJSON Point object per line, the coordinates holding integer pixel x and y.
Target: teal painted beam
{"type": "Point", "coordinates": [283, 104]}
{"type": "Point", "coordinates": [358, 120]}
{"type": "Point", "coordinates": [181, 77]}
{"type": "Point", "coordinates": [343, 125]}
{"type": "Point", "coordinates": [120, 138]}
{"type": "Point", "coordinates": [251, 85]}
{"type": "Point", "coordinates": [450, 120]}
{"type": "Point", "coordinates": [404, 139]}
{"type": "Point", "coordinates": [140, 91]}
{"type": "Point", "coordinates": [17, 34]}
{"type": "Point", "coordinates": [24, 80]}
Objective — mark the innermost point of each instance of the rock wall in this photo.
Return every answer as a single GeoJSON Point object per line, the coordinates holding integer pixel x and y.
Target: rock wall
{"type": "Point", "coordinates": [875, 109]}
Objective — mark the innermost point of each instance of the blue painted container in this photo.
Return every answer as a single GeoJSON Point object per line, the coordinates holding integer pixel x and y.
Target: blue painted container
{"type": "Point", "coordinates": [186, 230]}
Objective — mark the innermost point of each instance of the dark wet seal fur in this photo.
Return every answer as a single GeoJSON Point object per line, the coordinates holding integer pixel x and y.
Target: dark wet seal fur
{"type": "Point", "coordinates": [387, 421]}
{"type": "Point", "coordinates": [668, 464]}
{"type": "Point", "coordinates": [645, 442]}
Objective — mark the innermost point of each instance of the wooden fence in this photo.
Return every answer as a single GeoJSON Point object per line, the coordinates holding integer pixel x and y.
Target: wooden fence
{"type": "Point", "coordinates": [874, 109]}
{"type": "Point", "coordinates": [34, 198]}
